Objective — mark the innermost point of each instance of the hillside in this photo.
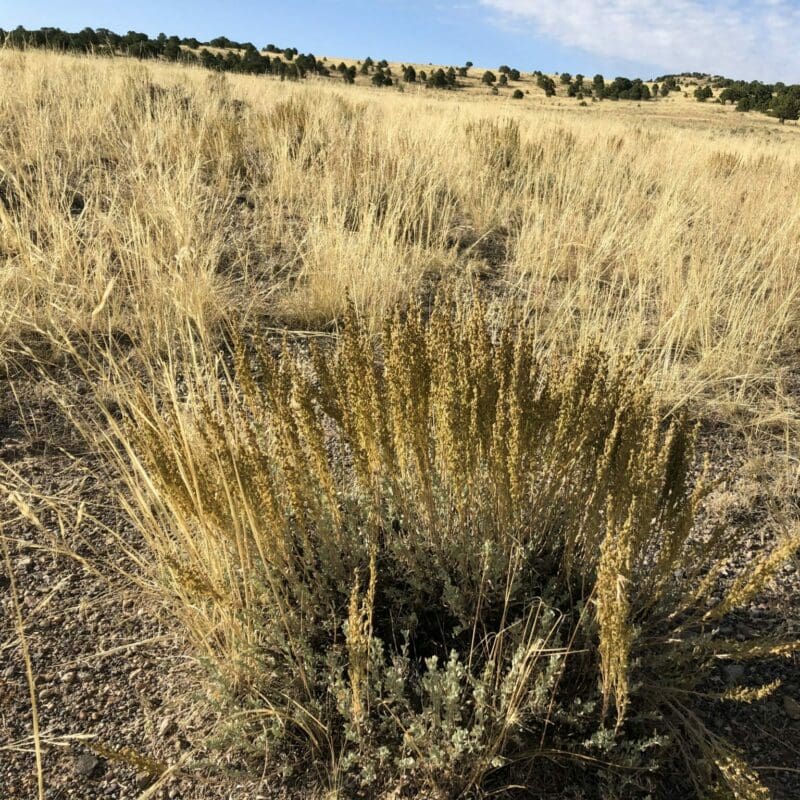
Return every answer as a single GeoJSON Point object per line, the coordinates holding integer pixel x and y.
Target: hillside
{"type": "Point", "coordinates": [224, 55]}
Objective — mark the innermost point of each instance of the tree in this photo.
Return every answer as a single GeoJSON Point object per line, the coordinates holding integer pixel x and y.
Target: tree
{"type": "Point", "coordinates": [599, 86]}
{"type": "Point", "coordinates": [566, 78]}
{"type": "Point", "coordinates": [518, 95]}
{"type": "Point", "coordinates": [504, 69]}
{"type": "Point", "coordinates": [514, 75]}
{"type": "Point", "coordinates": [467, 64]}
{"type": "Point", "coordinates": [619, 88]}
{"type": "Point", "coordinates": [210, 60]}
{"type": "Point", "coordinates": [172, 49]}
{"type": "Point", "coordinates": [438, 79]}
{"type": "Point", "coordinates": [488, 78]}
{"type": "Point", "coordinates": [786, 106]}
{"type": "Point", "coordinates": [504, 80]}
{"type": "Point", "coordinates": [702, 93]}
{"type": "Point", "coordinates": [547, 83]}
{"type": "Point", "coordinates": [410, 74]}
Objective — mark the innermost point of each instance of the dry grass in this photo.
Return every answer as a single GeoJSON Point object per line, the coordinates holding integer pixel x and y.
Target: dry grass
{"type": "Point", "coordinates": [140, 211]}
{"type": "Point", "coordinates": [148, 211]}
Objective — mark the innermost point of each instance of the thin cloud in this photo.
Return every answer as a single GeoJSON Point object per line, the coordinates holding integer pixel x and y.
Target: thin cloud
{"type": "Point", "coordinates": [750, 40]}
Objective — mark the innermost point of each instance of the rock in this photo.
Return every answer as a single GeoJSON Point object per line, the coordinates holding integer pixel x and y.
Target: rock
{"type": "Point", "coordinates": [167, 727]}
{"type": "Point", "coordinates": [144, 780]}
{"type": "Point", "coordinates": [734, 674]}
{"type": "Point", "coordinates": [791, 707]}
{"type": "Point", "coordinates": [67, 677]}
{"type": "Point", "coordinates": [88, 765]}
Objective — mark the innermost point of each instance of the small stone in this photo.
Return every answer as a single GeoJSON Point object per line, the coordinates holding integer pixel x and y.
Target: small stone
{"type": "Point", "coordinates": [88, 765]}
{"type": "Point", "coordinates": [144, 780]}
{"type": "Point", "coordinates": [67, 677]}
{"type": "Point", "coordinates": [167, 727]}
{"type": "Point", "coordinates": [791, 707]}
{"type": "Point", "coordinates": [734, 674]}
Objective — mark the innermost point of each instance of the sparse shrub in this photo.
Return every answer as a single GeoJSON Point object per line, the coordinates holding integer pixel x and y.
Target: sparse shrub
{"type": "Point", "coordinates": [437, 563]}
{"type": "Point", "coordinates": [488, 77]}
{"type": "Point", "coordinates": [518, 95]}
{"type": "Point", "coordinates": [503, 80]}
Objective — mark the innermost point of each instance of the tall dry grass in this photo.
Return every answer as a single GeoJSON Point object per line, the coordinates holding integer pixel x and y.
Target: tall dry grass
{"type": "Point", "coordinates": [148, 210]}
{"type": "Point", "coordinates": [142, 199]}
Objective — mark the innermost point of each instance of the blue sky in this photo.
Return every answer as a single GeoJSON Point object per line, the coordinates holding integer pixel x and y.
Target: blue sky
{"type": "Point", "coordinates": [739, 38]}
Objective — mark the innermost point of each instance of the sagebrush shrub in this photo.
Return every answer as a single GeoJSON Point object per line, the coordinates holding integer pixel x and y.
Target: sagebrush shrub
{"type": "Point", "coordinates": [435, 561]}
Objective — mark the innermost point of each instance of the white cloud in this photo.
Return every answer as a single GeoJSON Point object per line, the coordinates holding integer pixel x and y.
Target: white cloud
{"type": "Point", "coordinates": [748, 39]}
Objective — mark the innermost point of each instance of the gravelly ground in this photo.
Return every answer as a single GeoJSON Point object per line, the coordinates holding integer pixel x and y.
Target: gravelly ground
{"type": "Point", "coordinates": [110, 674]}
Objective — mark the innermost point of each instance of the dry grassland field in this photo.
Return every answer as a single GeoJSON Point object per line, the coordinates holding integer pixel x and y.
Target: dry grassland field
{"type": "Point", "coordinates": [358, 443]}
